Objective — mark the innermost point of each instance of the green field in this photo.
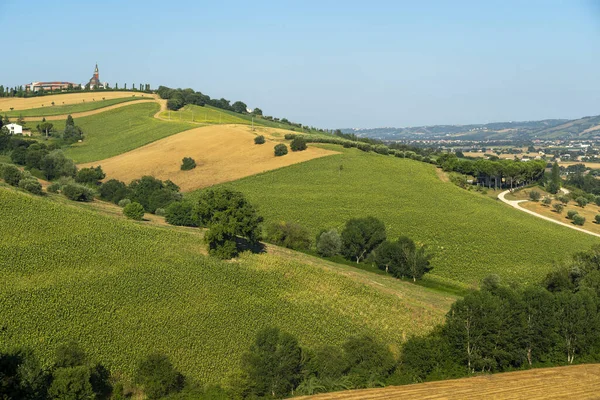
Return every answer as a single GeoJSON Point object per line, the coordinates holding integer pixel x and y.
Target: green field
{"type": "Point", "coordinates": [471, 235]}
{"type": "Point", "coordinates": [70, 108]}
{"type": "Point", "coordinates": [118, 131]}
{"type": "Point", "coordinates": [124, 289]}
{"type": "Point", "coordinates": [212, 115]}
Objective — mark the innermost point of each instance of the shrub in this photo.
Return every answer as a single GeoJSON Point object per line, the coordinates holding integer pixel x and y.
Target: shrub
{"type": "Point", "coordinates": [280, 150]}
{"type": "Point", "coordinates": [329, 243]}
{"type": "Point", "coordinates": [571, 214]}
{"type": "Point", "coordinates": [535, 195]}
{"type": "Point", "coordinates": [180, 213]}
{"type": "Point", "coordinates": [188, 163]}
{"type": "Point", "coordinates": [298, 144]}
{"type": "Point", "coordinates": [90, 175]}
{"type": "Point", "coordinates": [11, 175]}
{"type": "Point", "coordinates": [381, 149]}
{"type": "Point", "coordinates": [563, 199]}
{"type": "Point", "coordinates": [77, 192]}
{"type": "Point", "coordinates": [597, 218]}
{"type": "Point", "coordinates": [54, 187]}
{"type": "Point", "coordinates": [547, 201]}
{"type": "Point", "coordinates": [260, 139]}
{"type": "Point", "coordinates": [113, 191]}
{"type": "Point", "coordinates": [134, 211]}
{"type": "Point", "coordinates": [32, 185]}
{"type": "Point", "coordinates": [157, 376]}
{"type": "Point", "coordinates": [578, 219]}
{"type": "Point", "coordinates": [124, 202]}
{"type": "Point", "coordinates": [288, 234]}
{"type": "Point", "coordinates": [55, 165]}
{"type": "Point", "coordinates": [558, 207]}
{"type": "Point", "coordinates": [581, 201]}
{"type": "Point", "coordinates": [160, 212]}
{"type": "Point", "coordinates": [289, 136]}
{"type": "Point", "coordinates": [597, 200]}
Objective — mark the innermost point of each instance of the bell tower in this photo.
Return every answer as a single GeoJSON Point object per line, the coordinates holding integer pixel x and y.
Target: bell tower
{"type": "Point", "coordinates": [96, 73]}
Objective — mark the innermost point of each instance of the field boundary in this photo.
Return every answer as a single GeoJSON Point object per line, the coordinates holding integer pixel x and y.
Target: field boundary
{"type": "Point", "coordinates": [86, 113]}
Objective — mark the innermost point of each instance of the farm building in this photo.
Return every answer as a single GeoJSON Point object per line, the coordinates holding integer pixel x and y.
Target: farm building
{"type": "Point", "coordinates": [15, 129]}
{"type": "Point", "coordinates": [37, 86]}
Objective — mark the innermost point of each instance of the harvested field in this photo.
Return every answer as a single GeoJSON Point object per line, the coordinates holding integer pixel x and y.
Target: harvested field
{"type": "Point", "coordinates": [222, 153]}
{"type": "Point", "coordinates": [19, 103]}
{"type": "Point", "coordinates": [572, 382]}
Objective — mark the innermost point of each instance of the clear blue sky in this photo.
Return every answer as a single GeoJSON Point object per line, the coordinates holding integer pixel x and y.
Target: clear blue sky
{"type": "Point", "coordinates": [326, 63]}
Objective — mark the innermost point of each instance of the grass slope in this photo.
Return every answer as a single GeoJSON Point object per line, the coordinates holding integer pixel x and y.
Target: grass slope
{"type": "Point", "coordinates": [471, 235]}
{"type": "Point", "coordinates": [124, 289]}
{"type": "Point", "coordinates": [117, 131]}
{"type": "Point", "coordinates": [71, 108]}
{"type": "Point", "coordinates": [213, 115]}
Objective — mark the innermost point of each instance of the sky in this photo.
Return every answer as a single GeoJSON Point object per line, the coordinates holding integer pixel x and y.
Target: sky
{"type": "Point", "coordinates": [330, 64]}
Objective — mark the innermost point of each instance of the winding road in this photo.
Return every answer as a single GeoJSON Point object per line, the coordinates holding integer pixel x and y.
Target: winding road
{"type": "Point", "coordinates": [515, 204]}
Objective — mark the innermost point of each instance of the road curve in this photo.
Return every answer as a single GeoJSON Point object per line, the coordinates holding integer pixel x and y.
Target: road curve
{"type": "Point", "coordinates": [515, 204]}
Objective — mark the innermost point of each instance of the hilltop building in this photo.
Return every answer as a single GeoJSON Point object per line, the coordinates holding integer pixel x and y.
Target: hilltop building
{"type": "Point", "coordinates": [37, 86]}
{"type": "Point", "coordinates": [95, 83]}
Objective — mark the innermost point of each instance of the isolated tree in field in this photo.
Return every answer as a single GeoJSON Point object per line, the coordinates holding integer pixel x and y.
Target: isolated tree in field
{"type": "Point", "coordinates": [257, 111]}
{"type": "Point", "coordinates": [298, 144]}
{"type": "Point", "coordinates": [260, 139]}
{"type": "Point", "coordinates": [188, 163]}
{"type": "Point", "coordinates": [329, 243]}
{"type": "Point", "coordinates": [547, 201]}
{"type": "Point", "coordinates": [535, 195]}
{"type": "Point", "coordinates": [558, 207]}
{"type": "Point", "coordinates": [158, 377]}
{"type": "Point", "coordinates": [45, 127]}
{"type": "Point", "coordinates": [227, 215]}
{"type": "Point", "coordinates": [361, 236]}
{"type": "Point", "coordinates": [280, 150]}
{"type": "Point", "coordinates": [134, 211]}
{"type": "Point", "coordinates": [273, 364]}
{"type": "Point", "coordinates": [578, 219]}
{"type": "Point", "coordinates": [581, 201]}
{"type": "Point", "coordinates": [239, 107]}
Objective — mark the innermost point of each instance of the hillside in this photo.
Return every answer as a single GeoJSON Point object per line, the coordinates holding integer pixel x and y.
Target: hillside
{"type": "Point", "coordinates": [582, 128]}
{"type": "Point", "coordinates": [125, 289]}
{"type": "Point", "coordinates": [117, 131]}
{"type": "Point", "coordinates": [471, 235]}
{"type": "Point", "coordinates": [222, 153]}
{"type": "Point", "coordinates": [574, 382]}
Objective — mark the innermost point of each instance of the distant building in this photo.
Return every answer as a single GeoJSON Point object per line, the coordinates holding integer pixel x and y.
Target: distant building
{"type": "Point", "coordinates": [95, 83]}
{"type": "Point", "coordinates": [37, 86]}
{"type": "Point", "coordinates": [15, 129]}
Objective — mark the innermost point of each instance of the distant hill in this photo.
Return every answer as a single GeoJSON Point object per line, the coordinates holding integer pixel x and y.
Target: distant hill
{"type": "Point", "coordinates": [582, 128]}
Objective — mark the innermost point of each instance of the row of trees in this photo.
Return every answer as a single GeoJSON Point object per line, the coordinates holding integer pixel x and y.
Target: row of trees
{"type": "Point", "coordinates": [177, 98]}
{"type": "Point", "coordinates": [516, 172]}
{"type": "Point", "coordinates": [507, 327]}
{"type": "Point", "coordinates": [19, 91]}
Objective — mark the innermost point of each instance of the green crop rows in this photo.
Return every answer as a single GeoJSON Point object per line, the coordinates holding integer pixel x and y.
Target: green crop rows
{"type": "Point", "coordinates": [118, 131]}
{"type": "Point", "coordinates": [123, 290]}
{"type": "Point", "coordinates": [471, 235]}
{"type": "Point", "coordinates": [70, 108]}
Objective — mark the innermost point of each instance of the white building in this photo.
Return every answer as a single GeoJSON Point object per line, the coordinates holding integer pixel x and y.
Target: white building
{"type": "Point", "coordinates": [15, 129]}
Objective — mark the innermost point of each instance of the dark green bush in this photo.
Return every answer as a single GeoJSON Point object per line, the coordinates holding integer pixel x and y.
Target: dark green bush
{"type": "Point", "coordinates": [158, 377]}
{"type": "Point", "coordinates": [113, 191]}
{"type": "Point", "coordinates": [77, 192]}
{"type": "Point", "coordinates": [188, 163]}
{"type": "Point", "coordinates": [571, 214]}
{"type": "Point", "coordinates": [298, 144]}
{"type": "Point", "coordinates": [260, 139]}
{"type": "Point", "coordinates": [578, 219]}
{"type": "Point", "coordinates": [134, 211]}
{"type": "Point", "coordinates": [280, 150]}
{"type": "Point", "coordinates": [11, 175]}
{"type": "Point", "coordinates": [32, 185]}
{"type": "Point", "coordinates": [90, 175]}
{"type": "Point", "coordinates": [288, 234]}
{"type": "Point", "coordinates": [180, 213]}
{"type": "Point", "coordinates": [329, 243]}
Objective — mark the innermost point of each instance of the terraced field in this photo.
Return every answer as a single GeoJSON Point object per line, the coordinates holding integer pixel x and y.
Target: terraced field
{"type": "Point", "coordinates": [95, 104]}
{"type": "Point", "coordinates": [124, 289]}
{"type": "Point", "coordinates": [471, 235]}
{"type": "Point", "coordinates": [580, 382]}
{"type": "Point", "coordinates": [223, 153]}
{"type": "Point", "coordinates": [118, 131]}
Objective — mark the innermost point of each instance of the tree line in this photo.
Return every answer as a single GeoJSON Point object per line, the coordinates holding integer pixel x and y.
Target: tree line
{"type": "Point", "coordinates": [515, 172]}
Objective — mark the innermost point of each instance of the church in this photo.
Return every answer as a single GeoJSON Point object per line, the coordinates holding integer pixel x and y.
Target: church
{"type": "Point", "coordinates": [95, 83]}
